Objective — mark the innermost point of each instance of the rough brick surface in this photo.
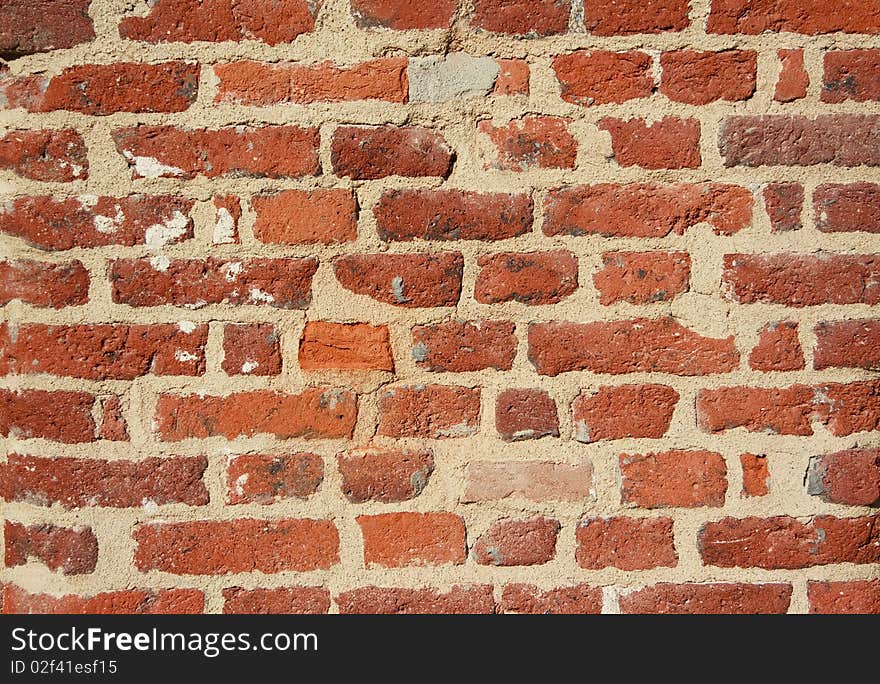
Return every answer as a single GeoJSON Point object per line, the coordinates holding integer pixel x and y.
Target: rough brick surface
{"type": "Point", "coordinates": [580, 599]}
{"type": "Point", "coordinates": [460, 600]}
{"type": "Point", "coordinates": [407, 280]}
{"type": "Point", "coordinates": [602, 77]}
{"type": "Point", "coordinates": [699, 78]}
{"type": "Point", "coordinates": [267, 479]}
{"type": "Point", "coordinates": [793, 78]}
{"type": "Point", "coordinates": [429, 411]}
{"type": "Point", "coordinates": [396, 540]}
{"type": "Point", "coordinates": [642, 277]}
{"type": "Point", "coordinates": [73, 551]}
{"type": "Point", "coordinates": [625, 17]}
{"type": "Point", "coordinates": [301, 217]}
{"type": "Point", "coordinates": [458, 346]}
{"type": "Point", "coordinates": [670, 143]}
{"type": "Point", "coordinates": [283, 601]}
{"type": "Point", "coordinates": [386, 476]}
{"type": "Point", "coordinates": [59, 156]}
{"type": "Point", "coordinates": [778, 348]}
{"type": "Point", "coordinates": [847, 208]}
{"type": "Point", "coordinates": [673, 478]}
{"type": "Point", "coordinates": [29, 26]}
{"type": "Point", "coordinates": [251, 349]}
{"type": "Point", "coordinates": [531, 480]}
{"type": "Point", "coordinates": [756, 474]}
{"type": "Point", "coordinates": [625, 543]}
{"type": "Point", "coordinates": [528, 278]}
{"type": "Point", "coordinates": [531, 142]}
{"type": "Point", "coordinates": [845, 598]}
{"type": "Point", "coordinates": [784, 203]}
{"type": "Point", "coordinates": [366, 153]}
{"type": "Point", "coordinates": [525, 414]}
{"type": "Point", "coordinates": [345, 346]}
{"type": "Point", "coordinates": [517, 542]}
{"type": "Point", "coordinates": [122, 602]}
{"type": "Point", "coordinates": [849, 477]}
{"type": "Point", "coordinates": [703, 599]}
{"type": "Point", "coordinates": [42, 284]}
{"type": "Point", "coordinates": [623, 411]}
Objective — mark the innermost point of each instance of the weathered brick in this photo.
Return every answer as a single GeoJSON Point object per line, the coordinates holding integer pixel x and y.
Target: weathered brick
{"type": "Point", "coordinates": [660, 345]}
{"type": "Point", "coordinates": [851, 75]}
{"type": "Point", "coordinates": [194, 283]}
{"type": "Point", "coordinates": [460, 346]}
{"type": "Point", "coordinates": [810, 17]}
{"type": "Point", "coordinates": [386, 476]}
{"type": "Point", "coordinates": [113, 425]}
{"type": "Point", "coordinates": [525, 414]}
{"type": "Point", "coordinates": [513, 77]}
{"type": "Point", "coordinates": [220, 547]}
{"type": "Point", "coordinates": [227, 214]}
{"type": "Point", "coordinates": [452, 215]}
{"type": "Point", "coordinates": [646, 210]}
{"type": "Point", "coordinates": [847, 344]}
{"type": "Point", "coordinates": [402, 15]}
{"type": "Point", "coordinates": [784, 203]}
{"type": "Point", "coordinates": [429, 411]}
{"type": "Point", "coordinates": [793, 77]}
{"type": "Point", "coordinates": [784, 411]}
{"type": "Point", "coordinates": [459, 600]}
{"type": "Point", "coordinates": [277, 601]}
{"type": "Point", "coordinates": [73, 550]}
{"type": "Point", "coordinates": [623, 411]}
{"type": "Point", "coordinates": [408, 280]}
{"type": "Point", "coordinates": [42, 284]}
{"type": "Point", "coordinates": [531, 480]}
{"type": "Point", "coordinates": [787, 543]}
{"type": "Point", "coordinates": [79, 482]}
{"type": "Point", "coordinates": [778, 348]}
{"type": "Point", "coordinates": [708, 599]}
{"type": "Point", "coordinates": [395, 540]}
{"type": "Point", "coordinates": [849, 477]}
{"type": "Point", "coordinates": [62, 416]}
{"type": "Point", "coordinates": [580, 599]}
{"type": "Point", "coordinates": [45, 155]}
{"type": "Point", "coordinates": [522, 17]}
{"type": "Point", "coordinates": [123, 602]}
{"type": "Point", "coordinates": [604, 77]}
{"type": "Point", "coordinates": [102, 352]}
{"type": "Point", "coordinates": [625, 543]}
{"type": "Point", "coordinates": [267, 479]}
{"type": "Point", "coordinates": [670, 143]}
{"type": "Point", "coordinates": [679, 478]}
{"type": "Point", "coordinates": [756, 473]}
{"type": "Point", "coordinates": [699, 78]}
{"type": "Point", "coordinates": [314, 413]}
{"type": "Point", "coordinates": [531, 278]}
{"type": "Point", "coordinates": [237, 151]}
{"type": "Point", "coordinates": [517, 542]}
{"type": "Point", "coordinates": [625, 17]}
{"type": "Point", "coordinates": [251, 349]}
{"type": "Point", "coordinates": [371, 152]}
{"type": "Point", "coordinates": [305, 217]}
{"type": "Point", "coordinates": [530, 142]}
{"type": "Point", "coordinates": [91, 221]}
{"type": "Point", "coordinates": [846, 208]}
{"type": "Point", "coordinates": [30, 26]}
{"type": "Point", "coordinates": [345, 346]}
{"type": "Point", "coordinates": [642, 277]}
{"type": "Point", "coordinates": [845, 598]}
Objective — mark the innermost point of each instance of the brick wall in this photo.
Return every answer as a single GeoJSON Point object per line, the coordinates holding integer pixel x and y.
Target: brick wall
{"type": "Point", "coordinates": [492, 305]}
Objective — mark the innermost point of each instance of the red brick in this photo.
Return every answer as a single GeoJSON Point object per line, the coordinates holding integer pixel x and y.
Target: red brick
{"type": "Point", "coordinates": [783, 411]}
{"type": "Point", "coordinates": [29, 26]}
{"type": "Point", "coordinates": [102, 352]}
{"type": "Point", "coordinates": [788, 543]}
{"type": "Point", "coordinates": [623, 411]}
{"type": "Point", "coordinates": [669, 143]}
{"type": "Point", "coordinates": [238, 151]}
{"type": "Point", "coordinates": [306, 217]}
{"type": "Point", "coordinates": [187, 21]}
{"type": "Point", "coordinates": [386, 476]}
{"type": "Point", "coordinates": [513, 79]}
{"type": "Point", "coordinates": [755, 472]}
{"type": "Point", "coordinates": [460, 346]}
{"type": "Point", "coordinates": [84, 482]}
{"type": "Point", "coordinates": [625, 543]}
{"type": "Point", "coordinates": [839, 139]}
{"type": "Point", "coordinates": [345, 346]}
{"type": "Point", "coordinates": [123, 602]}
{"type": "Point", "coordinates": [810, 17]}
{"type": "Point", "coordinates": [699, 78]}
{"type": "Point", "coordinates": [61, 416]}
{"type": "Point", "coordinates": [251, 349]}
{"type": "Point", "coordinates": [531, 480]}
{"type": "Point", "coordinates": [42, 284]}
{"type": "Point", "coordinates": [859, 597]}
{"type": "Point", "coordinates": [396, 540]}
{"type": "Point", "coordinates": [101, 89]}
{"type": "Point", "coordinates": [848, 344]}
{"type": "Point", "coordinates": [625, 17]}
{"type": "Point", "coordinates": [851, 75]}
{"type": "Point", "coordinates": [525, 414]}
{"type": "Point", "coordinates": [256, 83]}
{"type": "Point", "coordinates": [90, 221]}
{"type": "Point", "coordinates": [642, 277]}
{"type": "Point", "coordinates": [604, 77]}
{"type": "Point", "coordinates": [280, 601]}
{"type": "Point", "coordinates": [708, 599]}
{"type": "Point", "coordinates": [531, 278]}
{"type": "Point", "coordinates": [640, 345]}
{"type": "Point", "coordinates": [529, 18]}
{"type": "Point", "coordinates": [677, 478]}
{"type": "Point", "coordinates": [517, 542]}
{"type": "Point", "coordinates": [408, 280]}
{"type": "Point", "coordinates": [784, 203]}
{"type": "Point", "coordinates": [530, 142]}
{"type": "Point", "coordinates": [452, 215]}
{"type": "Point", "coordinates": [266, 479]}
{"type": "Point", "coordinates": [402, 15]}
{"type": "Point", "coordinates": [459, 600]}
{"type": "Point", "coordinates": [778, 348]}
{"type": "Point", "coordinates": [194, 283]}
{"type": "Point", "coordinates": [227, 214]}
{"type": "Point", "coordinates": [800, 280]}
{"type": "Point", "coordinates": [45, 155]}
{"type": "Point", "coordinates": [314, 413]}
{"type": "Point", "coordinates": [793, 77]}
{"type": "Point", "coordinates": [851, 477]}
{"type": "Point", "coordinates": [646, 210]}
{"type": "Point", "coordinates": [580, 599]}
{"type": "Point", "coordinates": [113, 425]}
{"type": "Point", "coordinates": [73, 550]}
{"type": "Point", "coordinates": [220, 547]}
{"type": "Point", "coordinates": [371, 152]}
{"type": "Point", "coordinates": [847, 208]}
{"type": "Point", "coordinates": [429, 411]}
{"type": "Point", "coordinates": [849, 407]}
